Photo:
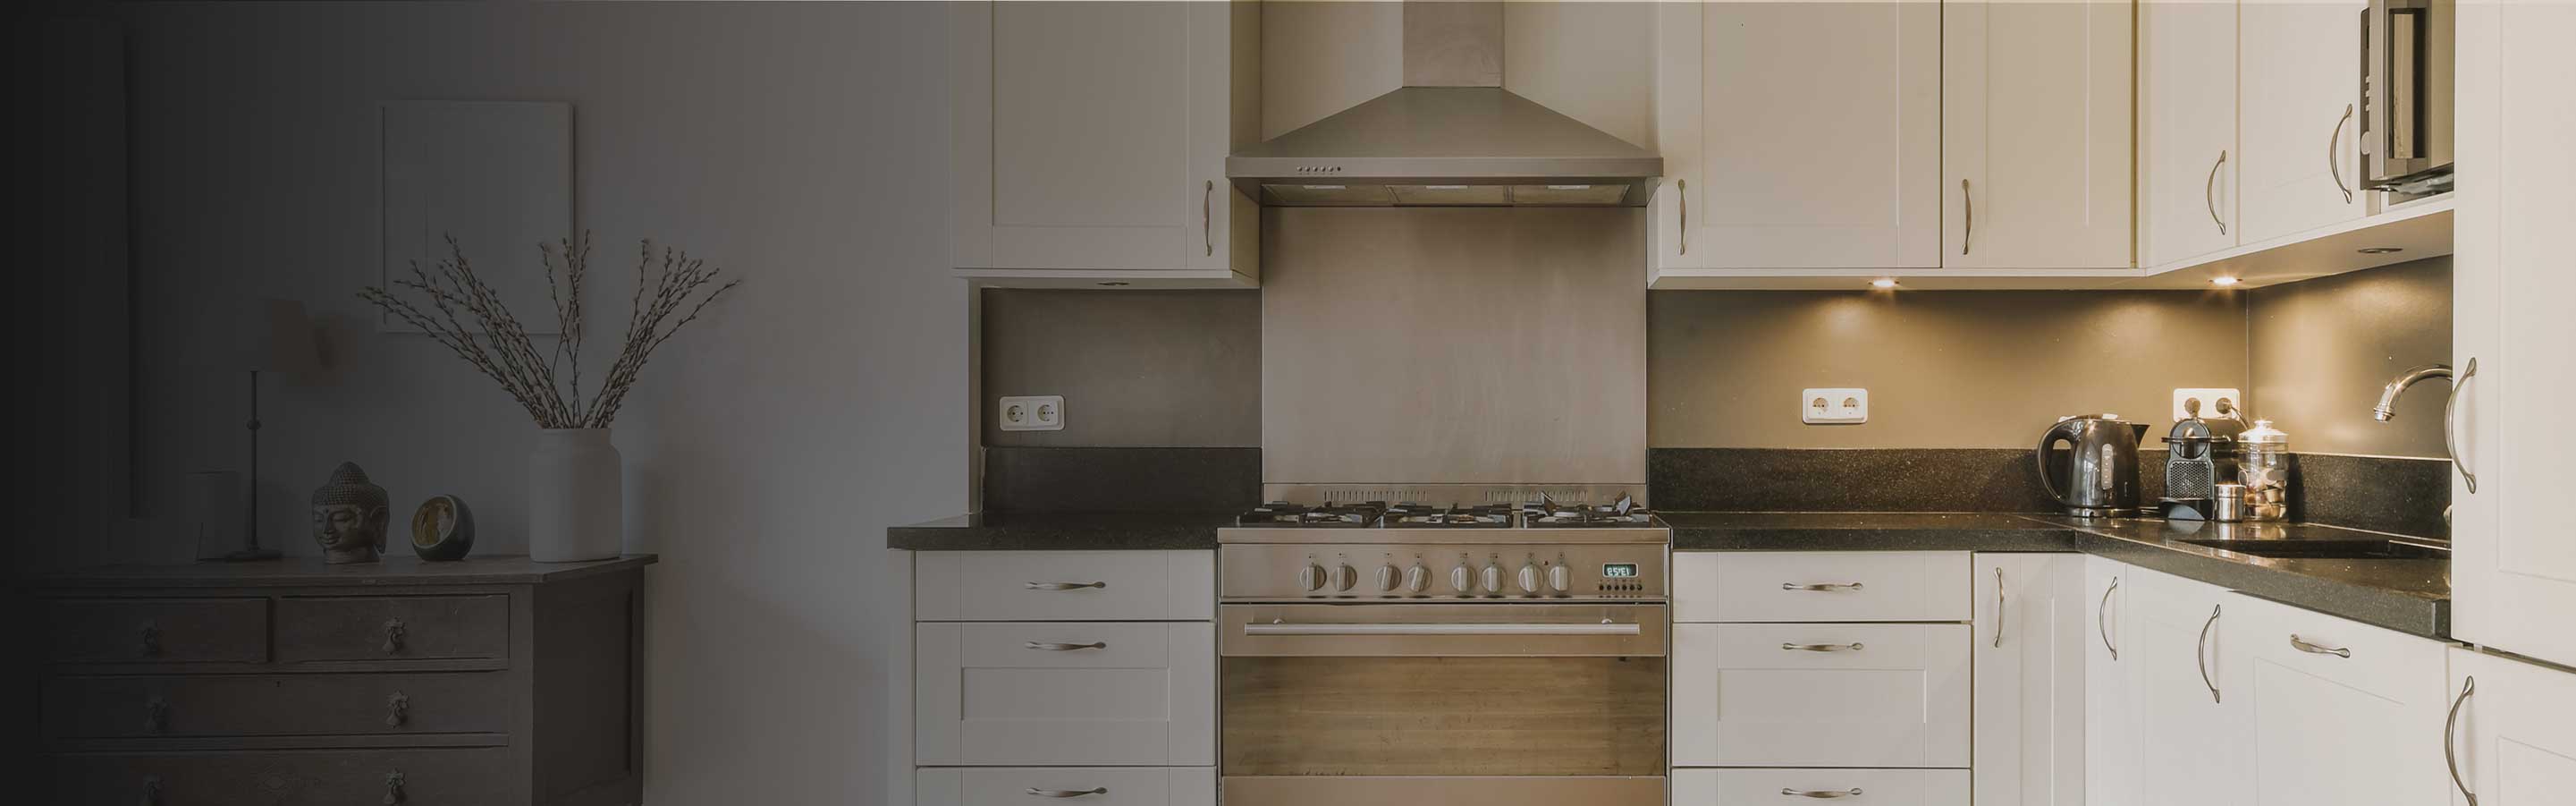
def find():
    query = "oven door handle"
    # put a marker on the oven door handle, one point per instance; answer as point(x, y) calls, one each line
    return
point(1605, 628)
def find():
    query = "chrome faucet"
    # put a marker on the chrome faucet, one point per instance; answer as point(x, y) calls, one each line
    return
point(2387, 407)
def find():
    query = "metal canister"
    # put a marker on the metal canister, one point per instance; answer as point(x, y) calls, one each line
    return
point(2264, 452)
point(2228, 505)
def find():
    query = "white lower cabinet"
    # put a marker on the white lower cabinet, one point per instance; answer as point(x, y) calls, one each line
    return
point(1091, 786)
point(2176, 658)
point(2333, 712)
point(2514, 737)
point(2110, 731)
point(1023, 693)
point(1770, 786)
point(1820, 695)
point(2029, 655)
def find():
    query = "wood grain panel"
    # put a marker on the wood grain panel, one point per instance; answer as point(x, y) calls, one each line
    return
point(265, 705)
point(1444, 716)
point(440, 777)
point(158, 630)
point(335, 628)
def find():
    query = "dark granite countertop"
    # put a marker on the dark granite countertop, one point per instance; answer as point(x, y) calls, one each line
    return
point(1864, 531)
point(998, 531)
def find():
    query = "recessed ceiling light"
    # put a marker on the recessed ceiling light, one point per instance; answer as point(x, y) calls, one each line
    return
point(1883, 282)
point(2381, 250)
point(2223, 281)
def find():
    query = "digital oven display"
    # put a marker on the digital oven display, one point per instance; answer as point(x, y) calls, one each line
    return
point(1619, 571)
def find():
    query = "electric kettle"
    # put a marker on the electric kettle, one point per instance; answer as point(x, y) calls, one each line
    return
point(2100, 477)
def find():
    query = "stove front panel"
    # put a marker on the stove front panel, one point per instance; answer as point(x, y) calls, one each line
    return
point(1484, 565)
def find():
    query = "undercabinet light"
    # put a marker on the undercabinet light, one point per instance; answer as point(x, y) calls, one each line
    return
point(1883, 282)
point(2223, 281)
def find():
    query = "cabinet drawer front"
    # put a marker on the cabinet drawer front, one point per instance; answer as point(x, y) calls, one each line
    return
point(1021, 786)
point(2384, 663)
point(1065, 585)
point(1821, 586)
point(1065, 693)
point(1757, 695)
point(382, 628)
point(1874, 787)
point(276, 705)
point(435, 777)
point(233, 630)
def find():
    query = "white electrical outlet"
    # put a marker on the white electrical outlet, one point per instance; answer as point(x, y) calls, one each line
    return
point(1033, 413)
point(2206, 401)
point(1833, 406)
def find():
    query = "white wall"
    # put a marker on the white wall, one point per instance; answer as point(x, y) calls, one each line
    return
point(766, 449)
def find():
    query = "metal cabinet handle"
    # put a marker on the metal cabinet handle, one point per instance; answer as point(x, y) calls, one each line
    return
point(151, 790)
point(394, 788)
point(156, 714)
point(1051, 646)
point(2209, 192)
point(1064, 586)
point(2200, 652)
point(397, 709)
point(2101, 612)
point(2334, 161)
point(1681, 188)
point(1970, 204)
point(151, 638)
point(1853, 792)
point(1999, 607)
point(2450, 419)
point(1207, 226)
point(1820, 586)
point(2450, 727)
point(2304, 645)
point(394, 634)
point(1850, 647)
point(1066, 793)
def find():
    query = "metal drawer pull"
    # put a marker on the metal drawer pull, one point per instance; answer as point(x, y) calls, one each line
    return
point(394, 788)
point(2102, 611)
point(397, 709)
point(1064, 586)
point(1051, 646)
point(2450, 753)
point(1442, 629)
point(394, 634)
point(1820, 586)
point(1850, 647)
point(2200, 652)
point(1066, 793)
point(1681, 190)
point(2209, 192)
point(2303, 645)
point(1999, 607)
point(151, 636)
point(156, 714)
point(2334, 163)
point(1970, 204)
point(1853, 792)
point(2450, 406)
point(1207, 225)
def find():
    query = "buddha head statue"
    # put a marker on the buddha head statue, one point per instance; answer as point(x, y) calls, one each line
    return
point(350, 515)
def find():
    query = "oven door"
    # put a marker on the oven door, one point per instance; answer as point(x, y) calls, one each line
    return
point(1496, 704)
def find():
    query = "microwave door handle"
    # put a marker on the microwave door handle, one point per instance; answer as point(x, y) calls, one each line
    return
point(1443, 629)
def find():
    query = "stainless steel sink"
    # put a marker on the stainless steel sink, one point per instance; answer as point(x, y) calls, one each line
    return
point(2351, 549)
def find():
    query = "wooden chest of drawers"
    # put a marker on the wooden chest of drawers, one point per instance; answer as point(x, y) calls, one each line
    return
point(490, 681)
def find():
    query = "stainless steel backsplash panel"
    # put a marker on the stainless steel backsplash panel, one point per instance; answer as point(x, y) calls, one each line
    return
point(1453, 345)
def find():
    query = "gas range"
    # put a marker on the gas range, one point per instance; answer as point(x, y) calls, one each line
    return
point(1536, 549)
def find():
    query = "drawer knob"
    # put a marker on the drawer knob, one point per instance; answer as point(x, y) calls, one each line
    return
point(156, 714)
point(151, 790)
point(1853, 792)
point(397, 709)
point(1820, 586)
point(1035, 792)
point(394, 788)
point(393, 635)
point(151, 637)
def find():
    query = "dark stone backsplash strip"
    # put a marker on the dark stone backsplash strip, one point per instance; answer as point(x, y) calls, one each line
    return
point(1024, 479)
point(2403, 496)
point(1860, 480)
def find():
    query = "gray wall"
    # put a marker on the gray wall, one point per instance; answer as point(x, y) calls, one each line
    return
point(1944, 369)
point(1136, 368)
point(2321, 349)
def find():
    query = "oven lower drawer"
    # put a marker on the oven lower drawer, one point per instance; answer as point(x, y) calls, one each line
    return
point(1500, 790)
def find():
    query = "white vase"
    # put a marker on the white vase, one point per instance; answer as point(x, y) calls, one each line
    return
point(575, 506)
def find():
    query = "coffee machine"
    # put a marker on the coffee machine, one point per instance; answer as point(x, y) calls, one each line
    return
point(2200, 455)
point(2099, 478)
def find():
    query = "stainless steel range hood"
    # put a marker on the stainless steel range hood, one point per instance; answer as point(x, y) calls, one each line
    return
point(1452, 136)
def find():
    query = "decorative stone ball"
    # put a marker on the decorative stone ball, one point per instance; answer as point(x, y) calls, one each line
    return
point(442, 529)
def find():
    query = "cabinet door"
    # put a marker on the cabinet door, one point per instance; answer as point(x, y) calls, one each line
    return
point(1090, 138)
point(2029, 668)
point(2187, 157)
point(2333, 712)
point(2513, 568)
point(2035, 134)
point(1065, 693)
point(2110, 732)
point(2513, 743)
point(1820, 695)
point(1799, 135)
point(2177, 656)
point(2300, 131)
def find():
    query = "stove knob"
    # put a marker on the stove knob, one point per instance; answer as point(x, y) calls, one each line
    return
point(1493, 578)
point(1529, 580)
point(1462, 579)
point(1310, 577)
point(1560, 578)
point(1345, 577)
point(1417, 578)
point(1388, 578)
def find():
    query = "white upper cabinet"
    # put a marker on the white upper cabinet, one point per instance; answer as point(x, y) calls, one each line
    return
point(2510, 737)
point(2187, 158)
point(2333, 712)
point(1090, 139)
point(2513, 570)
point(1797, 136)
point(2032, 624)
point(2035, 141)
point(2300, 128)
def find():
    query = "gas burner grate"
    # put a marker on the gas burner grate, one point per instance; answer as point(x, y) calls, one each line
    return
point(1282, 513)
point(1418, 516)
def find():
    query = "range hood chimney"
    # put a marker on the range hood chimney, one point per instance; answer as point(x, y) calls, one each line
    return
point(1451, 136)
